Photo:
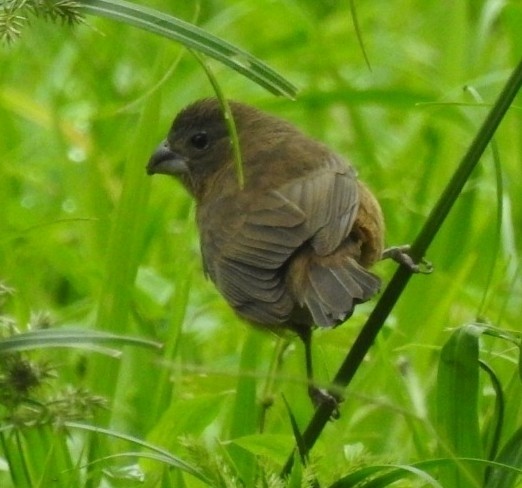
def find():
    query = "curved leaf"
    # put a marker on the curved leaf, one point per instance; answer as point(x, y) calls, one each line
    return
point(193, 37)
point(68, 337)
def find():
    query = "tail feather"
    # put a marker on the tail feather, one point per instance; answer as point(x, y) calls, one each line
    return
point(332, 292)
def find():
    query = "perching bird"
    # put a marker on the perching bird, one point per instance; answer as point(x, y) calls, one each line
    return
point(290, 250)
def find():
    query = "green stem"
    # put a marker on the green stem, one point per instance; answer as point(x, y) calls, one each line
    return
point(401, 277)
point(229, 118)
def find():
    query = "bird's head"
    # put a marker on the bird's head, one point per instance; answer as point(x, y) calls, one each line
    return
point(197, 145)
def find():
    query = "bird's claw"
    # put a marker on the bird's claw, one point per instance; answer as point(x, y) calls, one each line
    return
point(321, 396)
point(401, 255)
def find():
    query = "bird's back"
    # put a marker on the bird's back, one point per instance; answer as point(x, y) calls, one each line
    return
point(286, 251)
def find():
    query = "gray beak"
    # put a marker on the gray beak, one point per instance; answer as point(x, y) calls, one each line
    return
point(165, 161)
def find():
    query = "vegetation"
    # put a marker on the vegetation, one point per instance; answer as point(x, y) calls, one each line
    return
point(120, 365)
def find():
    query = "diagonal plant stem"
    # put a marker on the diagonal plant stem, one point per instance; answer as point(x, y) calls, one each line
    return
point(401, 277)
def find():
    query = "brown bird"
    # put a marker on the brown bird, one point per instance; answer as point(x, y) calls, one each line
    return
point(291, 249)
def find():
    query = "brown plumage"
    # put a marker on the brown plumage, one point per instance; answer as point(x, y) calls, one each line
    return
point(291, 249)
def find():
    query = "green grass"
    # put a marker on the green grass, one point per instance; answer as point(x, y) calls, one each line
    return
point(89, 242)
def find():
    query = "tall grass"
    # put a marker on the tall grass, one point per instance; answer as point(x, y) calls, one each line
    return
point(88, 239)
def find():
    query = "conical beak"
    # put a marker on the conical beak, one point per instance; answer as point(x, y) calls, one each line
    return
point(167, 162)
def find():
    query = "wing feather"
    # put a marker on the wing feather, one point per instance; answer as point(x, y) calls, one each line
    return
point(247, 255)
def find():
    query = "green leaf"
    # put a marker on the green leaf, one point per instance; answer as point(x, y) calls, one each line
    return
point(115, 303)
point(69, 337)
point(511, 457)
point(457, 405)
point(39, 456)
point(163, 454)
point(377, 476)
point(272, 446)
point(14, 456)
point(369, 475)
point(185, 415)
point(301, 447)
point(192, 37)
point(245, 413)
point(520, 360)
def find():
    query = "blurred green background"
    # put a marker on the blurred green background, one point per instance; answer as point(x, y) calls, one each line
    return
point(87, 237)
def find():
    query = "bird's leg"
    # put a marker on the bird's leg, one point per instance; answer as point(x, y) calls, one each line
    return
point(318, 395)
point(401, 255)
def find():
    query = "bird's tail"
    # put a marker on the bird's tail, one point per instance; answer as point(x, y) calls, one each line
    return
point(330, 292)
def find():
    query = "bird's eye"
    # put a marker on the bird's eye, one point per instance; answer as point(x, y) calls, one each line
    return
point(199, 140)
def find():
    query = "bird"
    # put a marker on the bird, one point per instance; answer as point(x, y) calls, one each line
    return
point(290, 247)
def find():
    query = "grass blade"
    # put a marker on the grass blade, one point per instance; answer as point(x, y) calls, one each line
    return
point(457, 404)
point(172, 460)
point(64, 337)
point(192, 37)
point(245, 411)
point(511, 455)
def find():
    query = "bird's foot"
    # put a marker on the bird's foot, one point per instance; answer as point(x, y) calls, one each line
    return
point(401, 255)
point(321, 396)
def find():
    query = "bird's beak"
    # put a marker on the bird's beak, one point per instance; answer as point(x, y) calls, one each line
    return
point(167, 162)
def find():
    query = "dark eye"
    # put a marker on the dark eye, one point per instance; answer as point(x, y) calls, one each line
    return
point(199, 140)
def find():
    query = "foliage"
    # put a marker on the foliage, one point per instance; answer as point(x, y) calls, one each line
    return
point(86, 245)
point(15, 15)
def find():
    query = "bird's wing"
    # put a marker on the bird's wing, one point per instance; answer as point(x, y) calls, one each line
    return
point(247, 256)
point(330, 200)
